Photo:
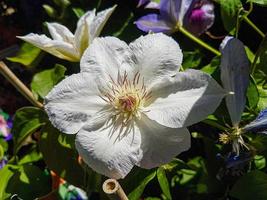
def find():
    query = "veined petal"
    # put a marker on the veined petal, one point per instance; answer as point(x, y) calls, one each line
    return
point(235, 77)
point(59, 49)
point(184, 99)
point(109, 151)
point(82, 34)
point(99, 22)
point(72, 102)
point(60, 32)
point(174, 10)
point(154, 23)
point(259, 124)
point(106, 57)
point(160, 143)
point(157, 56)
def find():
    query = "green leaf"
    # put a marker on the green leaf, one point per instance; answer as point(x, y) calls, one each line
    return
point(28, 182)
point(27, 55)
point(6, 173)
point(212, 66)
point(78, 12)
point(3, 147)
point(31, 156)
point(259, 2)
point(262, 104)
point(27, 120)
point(135, 183)
point(251, 186)
point(191, 59)
point(163, 182)
point(44, 81)
point(260, 161)
point(62, 159)
point(252, 93)
point(229, 13)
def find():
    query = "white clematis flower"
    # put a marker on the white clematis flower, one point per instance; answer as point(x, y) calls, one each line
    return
point(66, 45)
point(130, 105)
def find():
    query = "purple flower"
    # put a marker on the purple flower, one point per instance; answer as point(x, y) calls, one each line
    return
point(5, 126)
point(196, 16)
point(148, 4)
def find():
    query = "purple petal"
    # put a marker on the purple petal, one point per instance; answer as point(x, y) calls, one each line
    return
point(170, 10)
point(148, 4)
point(199, 17)
point(142, 2)
point(259, 124)
point(235, 77)
point(154, 23)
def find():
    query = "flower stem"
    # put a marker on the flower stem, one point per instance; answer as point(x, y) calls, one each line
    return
point(197, 40)
point(249, 22)
point(13, 79)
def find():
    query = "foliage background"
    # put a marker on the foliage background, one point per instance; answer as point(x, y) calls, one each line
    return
point(37, 147)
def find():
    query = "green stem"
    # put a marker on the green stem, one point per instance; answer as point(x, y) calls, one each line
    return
point(200, 42)
point(257, 55)
point(249, 22)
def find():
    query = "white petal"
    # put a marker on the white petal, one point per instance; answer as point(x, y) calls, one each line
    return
point(106, 153)
point(106, 57)
point(157, 55)
point(72, 102)
point(234, 76)
point(82, 34)
point(184, 99)
point(99, 22)
point(60, 32)
point(59, 49)
point(160, 144)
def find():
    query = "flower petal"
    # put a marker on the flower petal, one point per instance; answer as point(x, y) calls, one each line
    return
point(154, 23)
point(106, 57)
point(99, 22)
point(102, 149)
point(235, 77)
point(59, 49)
point(60, 32)
point(82, 34)
point(259, 124)
point(157, 55)
point(174, 11)
point(160, 144)
point(184, 99)
point(72, 102)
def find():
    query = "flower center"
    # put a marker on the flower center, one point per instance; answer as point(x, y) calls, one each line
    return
point(127, 97)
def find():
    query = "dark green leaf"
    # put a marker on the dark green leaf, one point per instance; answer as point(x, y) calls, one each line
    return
point(135, 183)
point(229, 13)
point(191, 59)
point(44, 81)
point(163, 182)
point(251, 186)
point(27, 55)
point(27, 120)
point(252, 93)
point(212, 66)
point(62, 159)
point(5, 174)
point(29, 182)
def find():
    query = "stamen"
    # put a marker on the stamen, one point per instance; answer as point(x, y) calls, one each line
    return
point(127, 99)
